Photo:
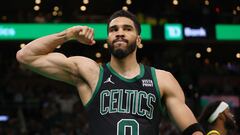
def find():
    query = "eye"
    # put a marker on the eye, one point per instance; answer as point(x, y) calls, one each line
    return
point(128, 29)
point(113, 29)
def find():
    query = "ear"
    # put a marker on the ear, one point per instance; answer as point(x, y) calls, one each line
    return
point(107, 40)
point(139, 41)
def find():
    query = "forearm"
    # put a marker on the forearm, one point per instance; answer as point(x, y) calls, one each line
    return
point(180, 113)
point(185, 119)
point(47, 44)
point(43, 45)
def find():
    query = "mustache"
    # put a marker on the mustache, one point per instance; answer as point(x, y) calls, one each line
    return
point(120, 39)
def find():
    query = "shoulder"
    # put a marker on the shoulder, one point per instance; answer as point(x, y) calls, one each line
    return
point(168, 84)
point(164, 73)
point(164, 76)
point(86, 68)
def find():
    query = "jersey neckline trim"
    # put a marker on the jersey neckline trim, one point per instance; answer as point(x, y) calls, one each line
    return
point(153, 72)
point(157, 88)
point(154, 76)
point(142, 71)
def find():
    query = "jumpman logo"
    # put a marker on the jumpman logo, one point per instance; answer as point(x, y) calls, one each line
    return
point(109, 80)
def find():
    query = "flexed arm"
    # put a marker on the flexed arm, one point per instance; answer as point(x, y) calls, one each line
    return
point(38, 55)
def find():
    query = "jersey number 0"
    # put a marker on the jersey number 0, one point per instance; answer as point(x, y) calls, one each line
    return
point(127, 123)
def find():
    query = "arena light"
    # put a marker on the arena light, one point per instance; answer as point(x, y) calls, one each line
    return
point(125, 8)
point(85, 1)
point(128, 2)
point(29, 31)
point(238, 8)
point(54, 13)
point(206, 2)
point(59, 13)
point(234, 12)
point(105, 45)
point(175, 2)
point(22, 45)
point(83, 8)
point(198, 55)
point(98, 55)
point(56, 8)
point(36, 8)
point(37, 1)
point(209, 49)
point(238, 55)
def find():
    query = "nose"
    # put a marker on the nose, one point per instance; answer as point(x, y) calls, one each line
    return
point(120, 33)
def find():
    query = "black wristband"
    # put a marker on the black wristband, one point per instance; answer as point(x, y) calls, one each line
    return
point(193, 128)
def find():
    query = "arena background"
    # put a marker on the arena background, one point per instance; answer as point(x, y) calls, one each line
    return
point(197, 40)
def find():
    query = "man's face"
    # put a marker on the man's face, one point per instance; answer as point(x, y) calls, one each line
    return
point(122, 37)
point(230, 122)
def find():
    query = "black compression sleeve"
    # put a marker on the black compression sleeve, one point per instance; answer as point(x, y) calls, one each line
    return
point(193, 128)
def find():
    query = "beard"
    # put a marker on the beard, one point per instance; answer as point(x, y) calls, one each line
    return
point(122, 53)
point(230, 124)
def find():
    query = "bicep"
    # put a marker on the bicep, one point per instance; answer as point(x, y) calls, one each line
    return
point(175, 101)
point(55, 66)
point(170, 86)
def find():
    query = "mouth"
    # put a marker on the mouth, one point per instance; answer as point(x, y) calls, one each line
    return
point(120, 41)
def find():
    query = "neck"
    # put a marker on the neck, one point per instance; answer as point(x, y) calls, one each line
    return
point(128, 67)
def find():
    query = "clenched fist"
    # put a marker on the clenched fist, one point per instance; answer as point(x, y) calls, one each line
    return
point(83, 34)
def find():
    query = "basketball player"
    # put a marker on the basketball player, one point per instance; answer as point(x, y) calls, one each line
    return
point(217, 119)
point(122, 97)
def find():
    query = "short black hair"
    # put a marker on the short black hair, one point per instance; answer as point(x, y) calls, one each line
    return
point(206, 113)
point(127, 14)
